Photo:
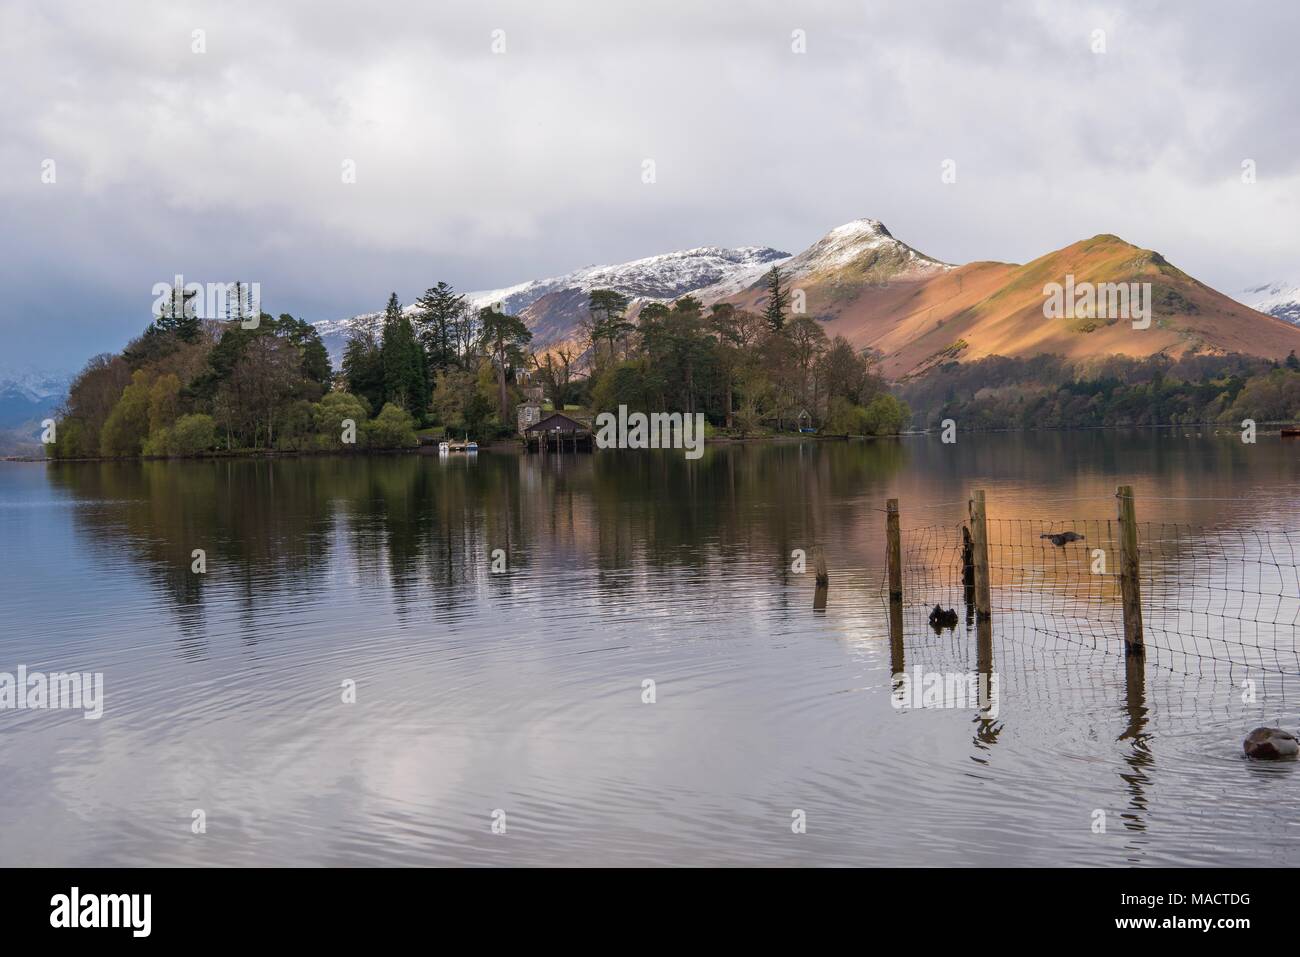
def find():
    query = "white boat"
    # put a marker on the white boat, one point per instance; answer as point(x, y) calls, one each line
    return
point(444, 448)
point(471, 446)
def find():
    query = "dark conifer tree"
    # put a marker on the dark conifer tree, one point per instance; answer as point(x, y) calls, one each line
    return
point(777, 299)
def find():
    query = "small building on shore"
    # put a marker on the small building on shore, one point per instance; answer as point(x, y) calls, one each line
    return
point(559, 432)
point(527, 413)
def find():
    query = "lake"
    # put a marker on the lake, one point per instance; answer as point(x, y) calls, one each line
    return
point(349, 681)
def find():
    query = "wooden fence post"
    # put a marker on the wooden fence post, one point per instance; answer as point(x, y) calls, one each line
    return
point(893, 551)
point(823, 579)
point(894, 563)
point(983, 599)
point(968, 572)
point(819, 566)
point(1129, 587)
point(980, 556)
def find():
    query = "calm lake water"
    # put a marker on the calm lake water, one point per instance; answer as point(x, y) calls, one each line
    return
point(522, 691)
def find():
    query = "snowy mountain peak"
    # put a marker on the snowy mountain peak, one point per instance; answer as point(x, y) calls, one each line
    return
point(1280, 299)
point(861, 228)
point(665, 276)
point(862, 242)
point(34, 384)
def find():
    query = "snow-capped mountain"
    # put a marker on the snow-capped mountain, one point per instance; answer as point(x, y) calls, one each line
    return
point(833, 271)
point(664, 277)
point(862, 246)
point(860, 252)
point(26, 397)
point(34, 384)
point(1281, 299)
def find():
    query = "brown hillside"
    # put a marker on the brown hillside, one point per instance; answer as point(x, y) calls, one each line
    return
point(987, 308)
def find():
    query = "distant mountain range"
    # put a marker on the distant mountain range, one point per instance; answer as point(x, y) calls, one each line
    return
point(880, 293)
point(916, 311)
point(1280, 299)
point(876, 291)
point(553, 307)
point(26, 398)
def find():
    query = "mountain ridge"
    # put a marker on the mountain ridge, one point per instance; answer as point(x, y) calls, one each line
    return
point(915, 310)
point(1279, 299)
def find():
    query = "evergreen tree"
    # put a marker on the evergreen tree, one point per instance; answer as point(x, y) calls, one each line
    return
point(315, 357)
point(437, 315)
point(504, 339)
point(178, 315)
point(608, 310)
point(777, 299)
point(363, 365)
point(402, 360)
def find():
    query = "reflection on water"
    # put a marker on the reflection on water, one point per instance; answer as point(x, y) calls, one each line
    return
point(523, 691)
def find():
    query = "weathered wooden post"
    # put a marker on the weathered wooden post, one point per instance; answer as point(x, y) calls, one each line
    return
point(893, 551)
point(894, 564)
point(968, 572)
point(983, 600)
point(1129, 586)
point(823, 579)
point(980, 556)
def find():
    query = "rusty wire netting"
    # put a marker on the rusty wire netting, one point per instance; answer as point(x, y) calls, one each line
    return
point(1215, 602)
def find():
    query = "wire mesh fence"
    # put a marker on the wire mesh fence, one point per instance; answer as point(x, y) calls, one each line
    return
point(1216, 598)
point(1214, 602)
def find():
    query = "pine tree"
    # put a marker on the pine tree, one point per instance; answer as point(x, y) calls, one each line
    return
point(777, 299)
point(437, 315)
point(402, 360)
point(504, 338)
point(608, 310)
point(177, 314)
point(363, 362)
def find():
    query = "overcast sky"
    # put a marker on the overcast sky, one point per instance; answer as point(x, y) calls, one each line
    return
point(486, 168)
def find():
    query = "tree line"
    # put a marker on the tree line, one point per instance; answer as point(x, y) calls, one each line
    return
point(444, 362)
point(748, 372)
point(188, 386)
point(1049, 391)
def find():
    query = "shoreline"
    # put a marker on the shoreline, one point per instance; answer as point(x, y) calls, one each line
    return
point(1263, 428)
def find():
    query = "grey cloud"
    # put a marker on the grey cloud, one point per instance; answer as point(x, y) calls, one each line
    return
point(485, 170)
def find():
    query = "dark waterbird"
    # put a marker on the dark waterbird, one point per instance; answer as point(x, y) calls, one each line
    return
point(1270, 744)
point(1061, 539)
point(939, 618)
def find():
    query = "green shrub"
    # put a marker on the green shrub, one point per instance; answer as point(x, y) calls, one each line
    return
point(392, 428)
point(296, 430)
point(158, 442)
point(332, 412)
point(192, 435)
point(128, 424)
point(885, 415)
point(71, 441)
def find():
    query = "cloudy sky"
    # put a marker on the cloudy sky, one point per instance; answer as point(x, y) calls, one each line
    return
point(486, 168)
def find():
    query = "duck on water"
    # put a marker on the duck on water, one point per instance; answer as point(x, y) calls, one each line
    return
point(1270, 744)
point(1061, 539)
